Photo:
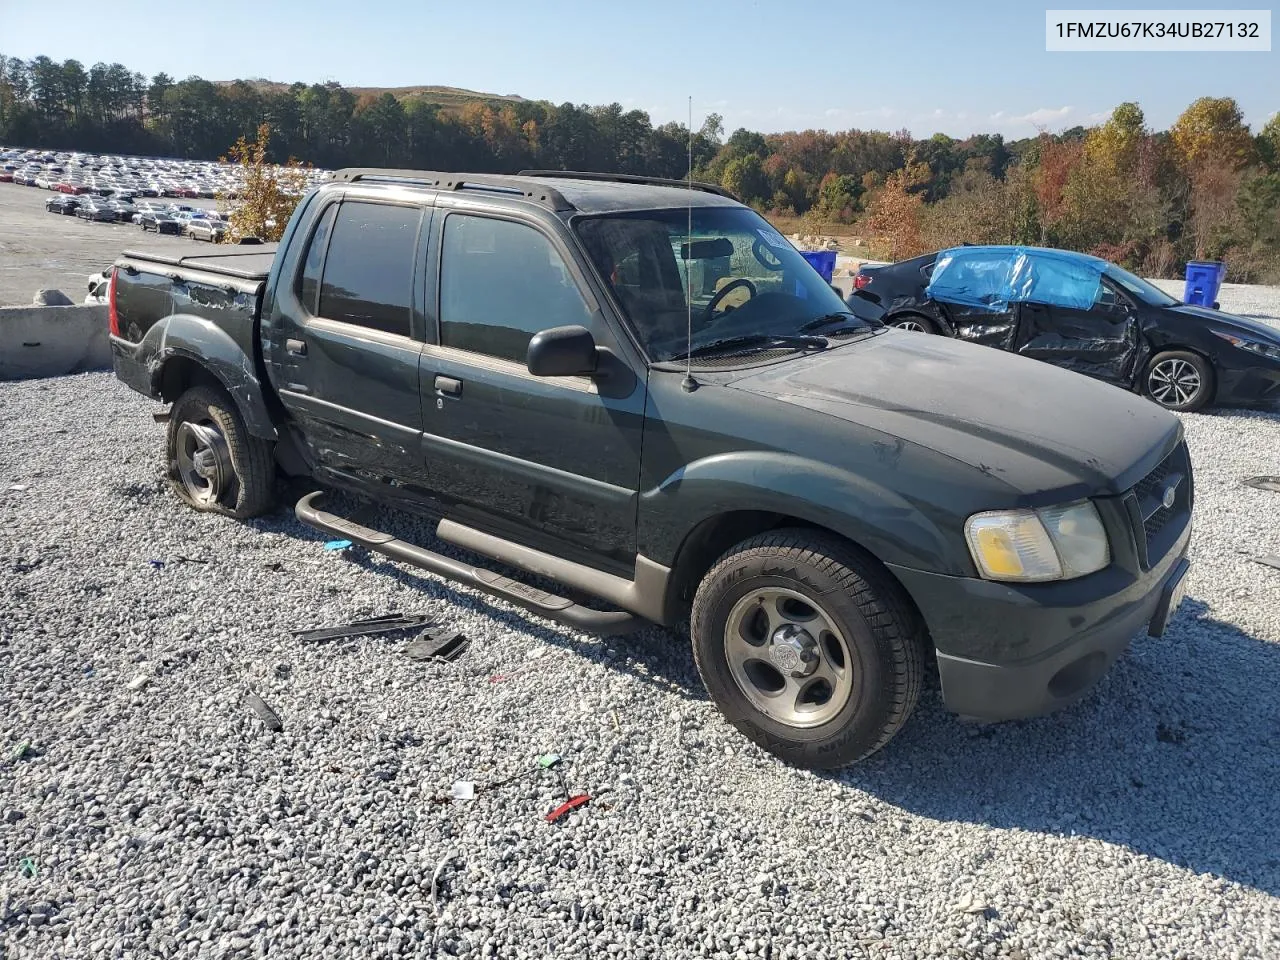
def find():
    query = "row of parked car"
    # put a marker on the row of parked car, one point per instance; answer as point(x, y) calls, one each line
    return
point(173, 218)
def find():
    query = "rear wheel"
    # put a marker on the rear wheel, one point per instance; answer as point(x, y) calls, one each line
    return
point(1179, 380)
point(808, 647)
point(211, 461)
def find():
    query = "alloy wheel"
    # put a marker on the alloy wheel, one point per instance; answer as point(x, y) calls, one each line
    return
point(788, 657)
point(204, 461)
point(1174, 382)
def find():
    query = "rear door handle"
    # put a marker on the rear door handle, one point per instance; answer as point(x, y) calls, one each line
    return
point(448, 386)
point(297, 348)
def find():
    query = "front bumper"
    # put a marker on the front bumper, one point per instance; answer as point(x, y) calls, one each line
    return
point(1006, 651)
point(1254, 382)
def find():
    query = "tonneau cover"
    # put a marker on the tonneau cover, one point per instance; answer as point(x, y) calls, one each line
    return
point(245, 262)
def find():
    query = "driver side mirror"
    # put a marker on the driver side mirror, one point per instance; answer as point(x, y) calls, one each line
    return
point(562, 352)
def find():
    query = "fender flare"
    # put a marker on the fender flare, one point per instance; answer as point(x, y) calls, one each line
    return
point(868, 513)
point(203, 342)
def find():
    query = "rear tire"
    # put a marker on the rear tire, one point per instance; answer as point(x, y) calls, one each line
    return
point(211, 461)
point(1179, 380)
point(819, 701)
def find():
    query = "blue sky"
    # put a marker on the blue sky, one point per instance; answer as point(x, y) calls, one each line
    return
point(955, 67)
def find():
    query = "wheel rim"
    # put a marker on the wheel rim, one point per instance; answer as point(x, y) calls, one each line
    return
point(788, 657)
point(914, 326)
point(1174, 382)
point(204, 461)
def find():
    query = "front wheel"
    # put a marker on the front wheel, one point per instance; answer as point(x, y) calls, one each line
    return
point(808, 647)
point(914, 323)
point(1179, 380)
point(211, 461)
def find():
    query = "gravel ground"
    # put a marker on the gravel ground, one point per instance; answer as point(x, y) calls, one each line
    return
point(146, 812)
point(41, 250)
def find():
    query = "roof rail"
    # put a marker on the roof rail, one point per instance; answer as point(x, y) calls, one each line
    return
point(496, 183)
point(630, 178)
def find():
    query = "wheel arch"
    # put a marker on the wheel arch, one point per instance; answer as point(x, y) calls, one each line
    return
point(182, 351)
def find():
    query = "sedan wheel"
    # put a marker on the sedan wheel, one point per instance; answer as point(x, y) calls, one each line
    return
point(914, 325)
point(1179, 380)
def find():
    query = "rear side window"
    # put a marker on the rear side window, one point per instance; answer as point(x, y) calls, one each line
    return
point(500, 283)
point(368, 272)
point(309, 284)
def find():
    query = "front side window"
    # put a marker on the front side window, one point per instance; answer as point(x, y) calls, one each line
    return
point(500, 283)
point(368, 271)
point(743, 277)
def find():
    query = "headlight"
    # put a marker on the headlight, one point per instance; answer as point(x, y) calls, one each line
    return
point(1055, 543)
point(1253, 346)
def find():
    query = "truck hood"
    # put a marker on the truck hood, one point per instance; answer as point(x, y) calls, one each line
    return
point(1040, 429)
point(1230, 322)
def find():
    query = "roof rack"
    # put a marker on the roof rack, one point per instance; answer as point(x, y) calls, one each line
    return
point(630, 178)
point(546, 195)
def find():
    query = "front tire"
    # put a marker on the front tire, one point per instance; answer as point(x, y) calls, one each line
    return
point(808, 647)
point(211, 461)
point(1179, 380)
point(914, 323)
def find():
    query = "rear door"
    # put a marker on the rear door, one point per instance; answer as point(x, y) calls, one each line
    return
point(1101, 342)
point(347, 337)
point(553, 462)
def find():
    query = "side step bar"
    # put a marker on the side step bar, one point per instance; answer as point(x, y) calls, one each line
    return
point(548, 605)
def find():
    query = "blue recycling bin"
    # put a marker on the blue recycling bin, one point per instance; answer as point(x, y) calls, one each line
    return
point(824, 261)
point(1204, 280)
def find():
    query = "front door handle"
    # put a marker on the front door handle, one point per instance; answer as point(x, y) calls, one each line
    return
point(297, 348)
point(448, 386)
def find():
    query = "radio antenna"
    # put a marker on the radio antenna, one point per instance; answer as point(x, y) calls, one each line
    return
point(689, 384)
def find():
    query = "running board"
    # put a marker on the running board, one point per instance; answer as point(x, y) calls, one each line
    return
point(559, 609)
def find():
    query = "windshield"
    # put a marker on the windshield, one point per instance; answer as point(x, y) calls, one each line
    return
point(743, 277)
point(1135, 286)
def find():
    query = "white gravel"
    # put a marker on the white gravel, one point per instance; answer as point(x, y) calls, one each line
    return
point(152, 815)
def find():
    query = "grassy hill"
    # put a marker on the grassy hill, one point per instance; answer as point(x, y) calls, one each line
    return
point(445, 96)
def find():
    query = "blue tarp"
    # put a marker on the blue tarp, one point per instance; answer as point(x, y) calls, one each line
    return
point(992, 278)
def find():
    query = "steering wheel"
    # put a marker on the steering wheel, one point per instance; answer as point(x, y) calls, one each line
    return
point(766, 257)
point(723, 292)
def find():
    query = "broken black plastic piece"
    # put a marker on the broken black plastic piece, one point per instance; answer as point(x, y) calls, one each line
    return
point(363, 628)
point(440, 644)
point(270, 719)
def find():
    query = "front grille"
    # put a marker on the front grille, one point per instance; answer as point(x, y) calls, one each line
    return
point(1152, 514)
point(1150, 491)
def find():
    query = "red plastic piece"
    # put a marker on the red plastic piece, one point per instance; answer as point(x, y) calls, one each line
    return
point(860, 281)
point(571, 804)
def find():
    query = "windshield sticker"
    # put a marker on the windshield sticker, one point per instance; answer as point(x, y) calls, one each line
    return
point(773, 237)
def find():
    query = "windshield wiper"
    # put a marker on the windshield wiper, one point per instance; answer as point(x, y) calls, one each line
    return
point(828, 319)
point(761, 340)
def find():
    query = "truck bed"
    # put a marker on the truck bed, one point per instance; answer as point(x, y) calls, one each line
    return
point(247, 262)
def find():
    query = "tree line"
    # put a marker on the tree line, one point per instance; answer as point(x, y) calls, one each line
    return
point(1206, 188)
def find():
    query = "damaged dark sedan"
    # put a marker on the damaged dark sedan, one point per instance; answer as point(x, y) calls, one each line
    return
point(1085, 314)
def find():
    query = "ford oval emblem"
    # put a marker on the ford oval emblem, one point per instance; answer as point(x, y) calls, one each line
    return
point(1170, 495)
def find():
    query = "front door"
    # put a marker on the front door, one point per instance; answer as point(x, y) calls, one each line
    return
point(348, 363)
point(1101, 342)
point(553, 462)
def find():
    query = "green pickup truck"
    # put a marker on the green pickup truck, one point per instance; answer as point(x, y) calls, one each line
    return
point(640, 390)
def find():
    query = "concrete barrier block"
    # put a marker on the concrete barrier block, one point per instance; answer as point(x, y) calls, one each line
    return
point(53, 341)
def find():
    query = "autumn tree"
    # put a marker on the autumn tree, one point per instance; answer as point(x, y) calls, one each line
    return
point(1212, 145)
point(1057, 159)
point(893, 217)
point(269, 193)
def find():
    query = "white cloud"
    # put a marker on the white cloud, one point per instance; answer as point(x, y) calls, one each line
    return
point(1044, 116)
